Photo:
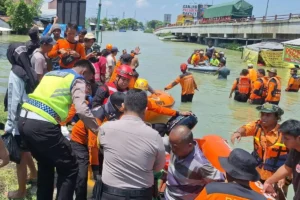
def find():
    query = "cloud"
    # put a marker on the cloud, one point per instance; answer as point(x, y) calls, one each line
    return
point(107, 3)
point(141, 3)
point(163, 7)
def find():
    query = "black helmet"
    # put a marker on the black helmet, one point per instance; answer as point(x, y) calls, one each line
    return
point(190, 121)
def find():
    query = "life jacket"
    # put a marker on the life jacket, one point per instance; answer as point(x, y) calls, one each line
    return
point(296, 85)
point(190, 59)
point(276, 93)
point(263, 88)
point(271, 158)
point(243, 85)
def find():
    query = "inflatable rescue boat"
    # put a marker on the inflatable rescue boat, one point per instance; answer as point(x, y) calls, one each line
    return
point(161, 98)
point(203, 69)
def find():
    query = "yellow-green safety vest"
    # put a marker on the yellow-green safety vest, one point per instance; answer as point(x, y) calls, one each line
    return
point(52, 97)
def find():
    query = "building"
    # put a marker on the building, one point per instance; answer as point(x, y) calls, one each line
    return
point(52, 4)
point(167, 18)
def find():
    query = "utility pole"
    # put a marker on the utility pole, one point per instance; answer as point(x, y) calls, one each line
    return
point(123, 15)
point(267, 9)
point(98, 23)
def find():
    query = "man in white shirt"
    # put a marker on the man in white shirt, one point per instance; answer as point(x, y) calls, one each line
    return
point(111, 63)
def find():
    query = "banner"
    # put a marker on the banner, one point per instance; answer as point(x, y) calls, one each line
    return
point(273, 58)
point(250, 56)
point(190, 10)
point(291, 54)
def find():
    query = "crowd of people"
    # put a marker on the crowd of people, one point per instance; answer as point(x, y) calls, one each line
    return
point(56, 81)
point(255, 87)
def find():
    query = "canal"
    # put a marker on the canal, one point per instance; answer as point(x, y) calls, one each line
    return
point(159, 64)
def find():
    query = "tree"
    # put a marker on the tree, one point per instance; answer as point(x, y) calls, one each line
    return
point(132, 23)
point(22, 14)
point(2, 7)
point(123, 24)
point(153, 24)
point(141, 25)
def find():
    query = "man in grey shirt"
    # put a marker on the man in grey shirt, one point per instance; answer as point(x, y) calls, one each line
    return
point(223, 71)
point(38, 59)
point(132, 152)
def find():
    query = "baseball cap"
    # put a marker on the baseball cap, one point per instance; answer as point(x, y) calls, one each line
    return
point(250, 65)
point(55, 27)
point(90, 36)
point(126, 58)
point(114, 49)
point(47, 40)
point(272, 70)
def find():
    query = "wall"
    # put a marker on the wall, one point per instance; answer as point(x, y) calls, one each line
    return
point(52, 4)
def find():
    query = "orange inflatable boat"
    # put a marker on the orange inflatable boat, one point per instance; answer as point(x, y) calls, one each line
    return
point(163, 99)
point(213, 147)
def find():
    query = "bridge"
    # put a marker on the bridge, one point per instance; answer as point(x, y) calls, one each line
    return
point(277, 28)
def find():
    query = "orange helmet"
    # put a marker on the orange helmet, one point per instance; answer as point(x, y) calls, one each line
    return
point(183, 67)
point(109, 46)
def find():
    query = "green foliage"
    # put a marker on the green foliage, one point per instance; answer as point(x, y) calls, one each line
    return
point(22, 14)
point(128, 23)
point(2, 7)
point(148, 30)
point(153, 24)
point(231, 46)
point(141, 25)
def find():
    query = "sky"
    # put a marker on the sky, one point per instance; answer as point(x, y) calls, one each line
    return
point(147, 10)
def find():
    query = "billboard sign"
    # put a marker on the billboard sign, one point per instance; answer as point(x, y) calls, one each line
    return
point(190, 10)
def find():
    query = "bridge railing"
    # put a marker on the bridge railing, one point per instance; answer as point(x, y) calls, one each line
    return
point(228, 20)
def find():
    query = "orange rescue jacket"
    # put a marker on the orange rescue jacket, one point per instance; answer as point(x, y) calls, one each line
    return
point(294, 84)
point(243, 85)
point(273, 90)
point(187, 83)
point(259, 89)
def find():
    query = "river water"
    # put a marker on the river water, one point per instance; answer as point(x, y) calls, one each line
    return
point(159, 63)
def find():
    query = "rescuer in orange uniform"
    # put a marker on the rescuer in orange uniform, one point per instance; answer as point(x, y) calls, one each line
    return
point(124, 74)
point(125, 59)
point(252, 73)
point(242, 87)
point(294, 82)
point(273, 87)
point(259, 88)
point(187, 82)
point(142, 84)
point(269, 149)
point(240, 170)
point(84, 142)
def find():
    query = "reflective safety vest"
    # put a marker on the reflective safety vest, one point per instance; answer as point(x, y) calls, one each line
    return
point(112, 88)
point(52, 98)
point(271, 157)
point(243, 85)
point(263, 88)
point(276, 93)
point(296, 85)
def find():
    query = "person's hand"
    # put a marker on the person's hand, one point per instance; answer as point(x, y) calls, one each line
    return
point(281, 183)
point(230, 96)
point(63, 52)
point(269, 189)
point(4, 156)
point(91, 55)
point(74, 54)
point(185, 113)
point(236, 135)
